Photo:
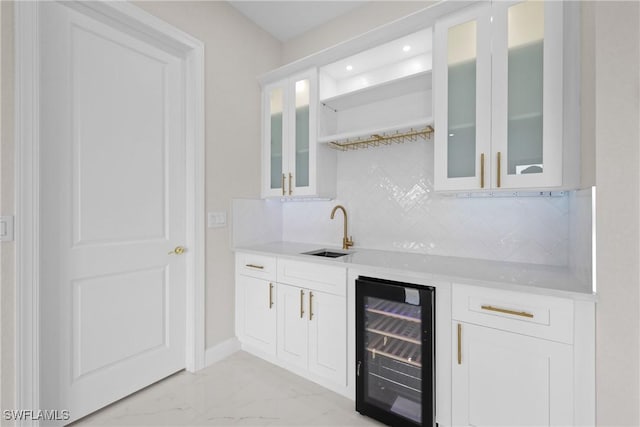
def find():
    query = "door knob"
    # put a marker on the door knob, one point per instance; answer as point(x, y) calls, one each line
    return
point(179, 250)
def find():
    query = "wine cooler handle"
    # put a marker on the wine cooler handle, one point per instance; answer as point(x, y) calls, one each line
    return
point(358, 369)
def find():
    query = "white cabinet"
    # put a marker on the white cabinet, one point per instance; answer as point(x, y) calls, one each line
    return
point(328, 336)
point(312, 319)
point(513, 358)
point(294, 313)
point(312, 331)
point(256, 302)
point(508, 379)
point(256, 313)
point(293, 165)
point(504, 97)
point(292, 325)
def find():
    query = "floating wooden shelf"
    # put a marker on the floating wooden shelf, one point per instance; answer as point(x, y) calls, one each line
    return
point(383, 138)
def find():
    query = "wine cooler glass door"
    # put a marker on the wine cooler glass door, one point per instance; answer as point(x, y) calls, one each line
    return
point(395, 350)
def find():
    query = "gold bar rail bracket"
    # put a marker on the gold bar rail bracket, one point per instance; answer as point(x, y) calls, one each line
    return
point(507, 311)
point(379, 139)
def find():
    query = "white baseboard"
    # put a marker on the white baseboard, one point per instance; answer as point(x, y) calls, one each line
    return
point(221, 351)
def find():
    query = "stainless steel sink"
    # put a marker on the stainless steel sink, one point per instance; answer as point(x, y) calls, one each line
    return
point(326, 253)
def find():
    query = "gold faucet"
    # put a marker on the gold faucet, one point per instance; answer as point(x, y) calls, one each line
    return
point(347, 242)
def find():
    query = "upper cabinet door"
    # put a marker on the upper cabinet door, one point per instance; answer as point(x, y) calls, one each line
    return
point(275, 123)
point(527, 91)
point(303, 134)
point(462, 95)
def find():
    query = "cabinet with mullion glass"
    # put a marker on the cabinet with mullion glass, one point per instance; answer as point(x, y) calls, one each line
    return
point(505, 105)
point(293, 165)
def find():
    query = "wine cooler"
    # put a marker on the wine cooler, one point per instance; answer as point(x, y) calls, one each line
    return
point(395, 352)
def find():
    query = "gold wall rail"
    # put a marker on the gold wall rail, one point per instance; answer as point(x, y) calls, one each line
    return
point(377, 140)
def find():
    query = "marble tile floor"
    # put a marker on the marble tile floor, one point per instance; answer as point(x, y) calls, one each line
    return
point(241, 390)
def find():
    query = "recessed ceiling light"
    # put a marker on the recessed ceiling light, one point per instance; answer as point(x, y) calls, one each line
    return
point(406, 48)
point(349, 68)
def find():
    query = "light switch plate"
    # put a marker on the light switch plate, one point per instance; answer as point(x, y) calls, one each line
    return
point(216, 219)
point(6, 228)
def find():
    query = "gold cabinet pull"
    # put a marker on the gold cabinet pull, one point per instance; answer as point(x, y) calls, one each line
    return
point(459, 344)
point(270, 295)
point(507, 311)
point(310, 305)
point(290, 178)
point(283, 178)
point(301, 304)
point(482, 170)
point(499, 161)
point(179, 250)
point(259, 267)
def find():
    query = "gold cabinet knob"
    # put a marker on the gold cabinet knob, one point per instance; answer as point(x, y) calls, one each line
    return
point(179, 250)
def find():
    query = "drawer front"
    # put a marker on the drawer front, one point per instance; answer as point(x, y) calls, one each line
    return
point(258, 266)
point(318, 277)
point(528, 314)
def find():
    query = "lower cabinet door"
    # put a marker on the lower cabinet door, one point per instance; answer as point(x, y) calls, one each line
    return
point(328, 336)
point(507, 379)
point(292, 325)
point(257, 313)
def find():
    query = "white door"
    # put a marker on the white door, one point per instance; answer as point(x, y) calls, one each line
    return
point(508, 379)
point(292, 325)
point(302, 146)
point(462, 99)
point(112, 208)
point(258, 313)
point(527, 94)
point(328, 336)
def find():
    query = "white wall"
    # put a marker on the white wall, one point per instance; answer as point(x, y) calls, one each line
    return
point(617, 58)
point(236, 51)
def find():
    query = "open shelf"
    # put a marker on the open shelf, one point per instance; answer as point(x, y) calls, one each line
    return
point(402, 127)
point(413, 83)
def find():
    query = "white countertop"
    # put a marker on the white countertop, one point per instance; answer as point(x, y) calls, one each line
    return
point(534, 278)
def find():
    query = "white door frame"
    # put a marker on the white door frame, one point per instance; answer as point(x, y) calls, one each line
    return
point(131, 19)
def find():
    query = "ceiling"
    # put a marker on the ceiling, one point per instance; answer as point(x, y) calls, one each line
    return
point(288, 19)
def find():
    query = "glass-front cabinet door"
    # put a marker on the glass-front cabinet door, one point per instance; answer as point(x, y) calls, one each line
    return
point(289, 136)
point(303, 133)
point(498, 96)
point(462, 94)
point(274, 122)
point(527, 94)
